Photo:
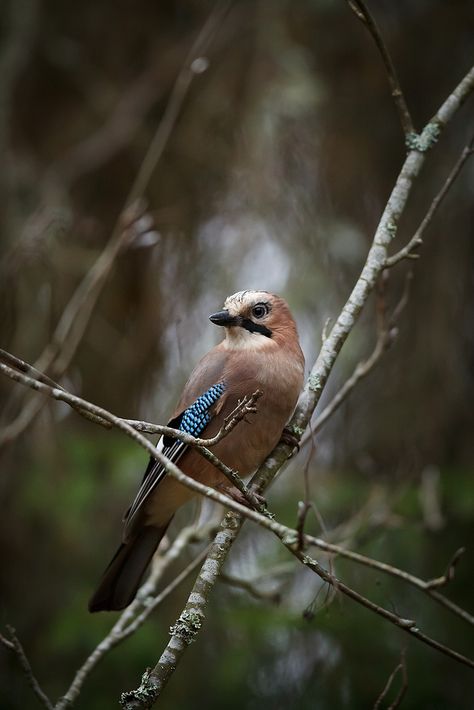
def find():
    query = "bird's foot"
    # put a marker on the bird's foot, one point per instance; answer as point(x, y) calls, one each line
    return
point(287, 437)
point(241, 498)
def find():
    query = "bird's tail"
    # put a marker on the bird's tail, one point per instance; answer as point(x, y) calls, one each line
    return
point(122, 577)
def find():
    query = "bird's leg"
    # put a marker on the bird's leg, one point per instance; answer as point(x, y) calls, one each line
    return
point(287, 437)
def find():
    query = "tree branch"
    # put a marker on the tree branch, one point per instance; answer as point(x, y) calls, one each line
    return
point(429, 587)
point(251, 586)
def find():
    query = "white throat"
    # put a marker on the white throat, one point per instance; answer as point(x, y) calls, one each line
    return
point(240, 339)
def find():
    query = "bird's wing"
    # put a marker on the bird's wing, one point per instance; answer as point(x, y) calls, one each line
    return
point(194, 413)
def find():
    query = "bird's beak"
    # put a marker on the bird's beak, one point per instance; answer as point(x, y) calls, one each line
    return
point(223, 318)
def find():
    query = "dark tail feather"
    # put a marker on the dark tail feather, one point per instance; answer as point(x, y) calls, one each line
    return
point(122, 577)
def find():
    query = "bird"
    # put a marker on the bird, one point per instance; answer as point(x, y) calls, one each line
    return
point(260, 350)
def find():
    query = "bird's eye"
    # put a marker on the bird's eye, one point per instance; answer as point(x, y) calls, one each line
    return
point(260, 310)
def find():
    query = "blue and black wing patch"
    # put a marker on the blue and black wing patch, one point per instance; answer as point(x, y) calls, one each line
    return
point(195, 418)
point(192, 420)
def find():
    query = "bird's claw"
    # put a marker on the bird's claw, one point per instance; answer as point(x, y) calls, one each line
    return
point(240, 497)
point(287, 437)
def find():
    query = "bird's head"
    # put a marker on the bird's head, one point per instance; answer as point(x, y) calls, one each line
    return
point(256, 319)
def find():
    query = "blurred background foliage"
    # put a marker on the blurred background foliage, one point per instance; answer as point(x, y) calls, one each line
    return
point(274, 177)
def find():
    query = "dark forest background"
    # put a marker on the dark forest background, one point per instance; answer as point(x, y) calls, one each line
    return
point(274, 177)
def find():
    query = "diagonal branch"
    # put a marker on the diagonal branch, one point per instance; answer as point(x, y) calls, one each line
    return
point(377, 256)
point(429, 587)
point(245, 406)
point(407, 625)
point(44, 384)
point(103, 417)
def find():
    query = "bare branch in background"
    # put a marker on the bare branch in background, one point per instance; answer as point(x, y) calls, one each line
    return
point(75, 318)
point(120, 127)
point(14, 645)
point(429, 495)
point(362, 12)
point(402, 669)
point(407, 625)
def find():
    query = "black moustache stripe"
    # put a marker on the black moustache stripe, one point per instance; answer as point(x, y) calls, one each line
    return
point(255, 327)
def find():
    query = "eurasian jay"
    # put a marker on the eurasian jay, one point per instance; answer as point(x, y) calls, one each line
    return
point(261, 351)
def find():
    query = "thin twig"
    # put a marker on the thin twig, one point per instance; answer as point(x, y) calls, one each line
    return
point(302, 511)
point(448, 576)
point(250, 586)
point(408, 251)
point(429, 587)
point(400, 668)
point(403, 688)
point(362, 12)
point(15, 646)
